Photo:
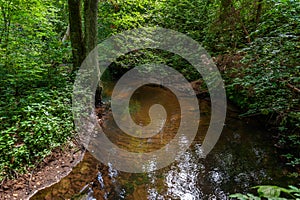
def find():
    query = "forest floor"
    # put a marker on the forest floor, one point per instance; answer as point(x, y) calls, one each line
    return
point(50, 171)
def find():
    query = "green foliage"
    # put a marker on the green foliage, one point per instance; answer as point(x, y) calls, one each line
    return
point(41, 122)
point(189, 17)
point(141, 57)
point(272, 62)
point(35, 86)
point(35, 90)
point(270, 192)
point(183, 16)
point(116, 16)
point(265, 84)
point(267, 37)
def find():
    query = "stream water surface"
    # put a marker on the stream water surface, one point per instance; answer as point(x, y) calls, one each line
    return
point(243, 157)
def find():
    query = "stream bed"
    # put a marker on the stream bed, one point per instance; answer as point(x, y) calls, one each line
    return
point(243, 157)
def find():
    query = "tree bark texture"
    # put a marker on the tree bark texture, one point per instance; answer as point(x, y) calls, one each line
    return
point(76, 34)
point(90, 24)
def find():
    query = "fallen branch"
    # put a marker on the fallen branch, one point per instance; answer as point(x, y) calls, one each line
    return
point(293, 87)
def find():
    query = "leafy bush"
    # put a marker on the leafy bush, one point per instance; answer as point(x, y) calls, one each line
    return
point(268, 83)
point(40, 122)
point(270, 192)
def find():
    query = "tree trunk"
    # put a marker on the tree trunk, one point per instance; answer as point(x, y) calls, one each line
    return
point(76, 35)
point(258, 11)
point(90, 24)
point(90, 39)
point(83, 44)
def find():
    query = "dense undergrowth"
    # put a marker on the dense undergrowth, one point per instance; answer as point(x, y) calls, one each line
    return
point(256, 48)
point(36, 87)
point(267, 81)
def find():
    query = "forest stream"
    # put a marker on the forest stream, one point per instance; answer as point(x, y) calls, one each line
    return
point(243, 157)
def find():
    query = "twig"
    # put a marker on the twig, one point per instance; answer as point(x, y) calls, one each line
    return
point(67, 34)
point(293, 87)
point(290, 86)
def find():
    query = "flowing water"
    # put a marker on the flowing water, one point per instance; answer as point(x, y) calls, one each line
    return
point(243, 157)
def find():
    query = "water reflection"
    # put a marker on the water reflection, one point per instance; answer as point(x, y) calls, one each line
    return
point(181, 179)
point(243, 157)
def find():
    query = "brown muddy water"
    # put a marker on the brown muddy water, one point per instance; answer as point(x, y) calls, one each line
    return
point(243, 157)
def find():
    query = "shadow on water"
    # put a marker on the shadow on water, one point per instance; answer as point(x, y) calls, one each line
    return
point(243, 157)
